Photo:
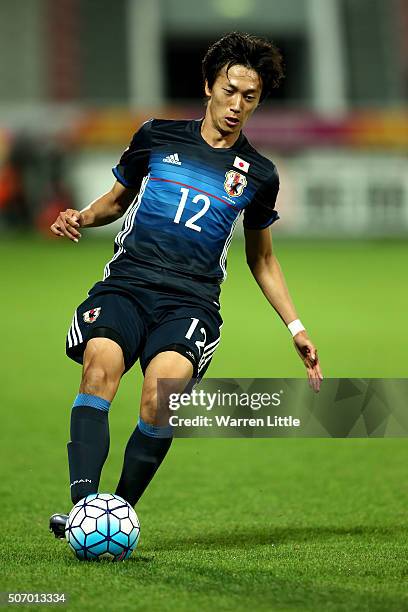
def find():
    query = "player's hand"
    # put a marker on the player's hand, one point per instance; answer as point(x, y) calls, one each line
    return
point(67, 224)
point(308, 353)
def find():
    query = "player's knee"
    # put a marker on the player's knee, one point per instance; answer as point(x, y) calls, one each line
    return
point(149, 410)
point(95, 380)
point(154, 407)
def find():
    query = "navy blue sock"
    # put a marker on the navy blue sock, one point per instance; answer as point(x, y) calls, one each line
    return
point(89, 444)
point(146, 449)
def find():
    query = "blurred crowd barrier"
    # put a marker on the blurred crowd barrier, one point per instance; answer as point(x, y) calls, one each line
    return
point(344, 176)
point(33, 181)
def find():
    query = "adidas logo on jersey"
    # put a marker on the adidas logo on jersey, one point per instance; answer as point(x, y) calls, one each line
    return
point(172, 159)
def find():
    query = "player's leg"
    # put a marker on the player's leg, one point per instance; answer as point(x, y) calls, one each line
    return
point(103, 366)
point(150, 441)
point(89, 446)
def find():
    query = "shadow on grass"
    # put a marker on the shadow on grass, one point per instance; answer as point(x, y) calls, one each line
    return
point(245, 537)
point(302, 586)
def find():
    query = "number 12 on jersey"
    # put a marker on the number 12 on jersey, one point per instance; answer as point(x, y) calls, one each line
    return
point(190, 223)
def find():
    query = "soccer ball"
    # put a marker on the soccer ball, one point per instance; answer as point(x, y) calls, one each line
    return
point(102, 526)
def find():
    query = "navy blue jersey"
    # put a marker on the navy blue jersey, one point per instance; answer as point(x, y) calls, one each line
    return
point(190, 198)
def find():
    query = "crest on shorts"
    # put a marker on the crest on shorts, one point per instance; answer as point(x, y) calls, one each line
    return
point(234, 183)
point(91, 315)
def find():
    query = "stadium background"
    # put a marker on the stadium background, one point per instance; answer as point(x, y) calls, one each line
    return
point(227, 524)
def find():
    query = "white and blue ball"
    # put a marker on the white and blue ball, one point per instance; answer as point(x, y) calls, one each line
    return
point(102, 526)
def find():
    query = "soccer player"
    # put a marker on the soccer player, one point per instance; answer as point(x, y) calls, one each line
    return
point(184, 185)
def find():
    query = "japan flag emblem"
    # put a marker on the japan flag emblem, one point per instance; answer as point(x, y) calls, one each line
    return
point(91, 315)
point(241, 164)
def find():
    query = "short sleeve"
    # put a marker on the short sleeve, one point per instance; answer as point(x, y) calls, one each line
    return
point(261, 213)
point(133, 165)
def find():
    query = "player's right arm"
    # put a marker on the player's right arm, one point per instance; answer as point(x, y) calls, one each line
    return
point(105, 209)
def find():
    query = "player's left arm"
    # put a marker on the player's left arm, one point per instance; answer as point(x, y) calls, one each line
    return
point(268, 274)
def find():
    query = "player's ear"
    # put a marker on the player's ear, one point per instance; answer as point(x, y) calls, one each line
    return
point(207, 90)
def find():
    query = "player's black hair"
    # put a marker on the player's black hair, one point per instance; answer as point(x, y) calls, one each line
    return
point(247, 50)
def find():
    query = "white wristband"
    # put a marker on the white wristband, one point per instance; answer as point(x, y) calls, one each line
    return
point(295, 327)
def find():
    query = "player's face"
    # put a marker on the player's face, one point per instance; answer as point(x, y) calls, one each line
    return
point(233, 98)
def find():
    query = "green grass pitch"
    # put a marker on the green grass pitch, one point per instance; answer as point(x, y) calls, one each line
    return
point(286, 524)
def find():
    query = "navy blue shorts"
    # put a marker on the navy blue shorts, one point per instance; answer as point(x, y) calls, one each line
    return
point(144, 322)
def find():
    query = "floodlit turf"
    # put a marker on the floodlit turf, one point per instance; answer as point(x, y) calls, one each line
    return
point(226, 524)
